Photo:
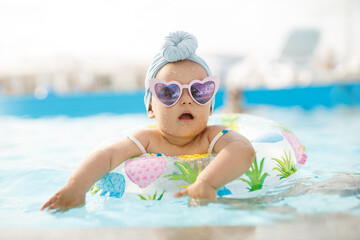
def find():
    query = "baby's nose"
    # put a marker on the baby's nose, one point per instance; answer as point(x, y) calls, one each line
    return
point(185, 97)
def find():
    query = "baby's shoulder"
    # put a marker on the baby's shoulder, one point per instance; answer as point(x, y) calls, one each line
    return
point(213, 130)
point(145, 134)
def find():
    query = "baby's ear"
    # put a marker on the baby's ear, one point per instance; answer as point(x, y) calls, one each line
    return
point(150, 112)
point(211, 111)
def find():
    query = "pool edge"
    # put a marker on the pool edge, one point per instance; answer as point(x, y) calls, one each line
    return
point(328, 226)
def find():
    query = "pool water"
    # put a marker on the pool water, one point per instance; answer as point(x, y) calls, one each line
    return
point(38, 155)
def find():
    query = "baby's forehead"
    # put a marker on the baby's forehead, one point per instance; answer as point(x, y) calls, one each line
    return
point(182, 70)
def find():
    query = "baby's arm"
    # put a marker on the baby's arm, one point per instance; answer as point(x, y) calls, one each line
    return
point(234, 158)
point(95, 166)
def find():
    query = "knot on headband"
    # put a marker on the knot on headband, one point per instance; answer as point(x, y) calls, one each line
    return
point(178, 46)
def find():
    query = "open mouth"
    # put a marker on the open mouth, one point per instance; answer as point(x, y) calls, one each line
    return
point(186, 116)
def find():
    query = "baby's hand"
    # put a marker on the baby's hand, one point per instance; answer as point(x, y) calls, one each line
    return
point(67, 197)
point(199, 191)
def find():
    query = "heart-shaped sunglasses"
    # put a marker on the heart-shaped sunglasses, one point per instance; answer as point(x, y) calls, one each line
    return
point(168, 93)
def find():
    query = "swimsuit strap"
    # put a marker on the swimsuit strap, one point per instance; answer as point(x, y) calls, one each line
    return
point(137, 143)
point(216, 138)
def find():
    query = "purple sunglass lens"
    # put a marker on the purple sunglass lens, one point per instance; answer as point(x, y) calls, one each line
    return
point(202, 93)
point(167, 94)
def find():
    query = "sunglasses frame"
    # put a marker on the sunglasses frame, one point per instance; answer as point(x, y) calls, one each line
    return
point(154, 81)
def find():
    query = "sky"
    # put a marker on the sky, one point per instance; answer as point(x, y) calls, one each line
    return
point(134, 29)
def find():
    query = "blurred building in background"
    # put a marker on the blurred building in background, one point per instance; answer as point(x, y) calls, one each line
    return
point(63, 75)
point(297, 64)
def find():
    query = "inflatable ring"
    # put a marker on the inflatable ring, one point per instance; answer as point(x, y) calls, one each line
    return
point(279, 154)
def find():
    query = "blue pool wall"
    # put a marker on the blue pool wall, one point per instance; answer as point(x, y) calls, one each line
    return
point(91, 103)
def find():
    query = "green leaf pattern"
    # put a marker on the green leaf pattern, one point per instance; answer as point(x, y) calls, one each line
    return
point(255, 175)
point(188, 174)
point(152, 198)
point(286, 167)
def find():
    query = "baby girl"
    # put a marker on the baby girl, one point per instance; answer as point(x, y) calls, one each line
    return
point(179, 94)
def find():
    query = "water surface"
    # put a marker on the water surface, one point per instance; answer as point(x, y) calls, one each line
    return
point(38, 155)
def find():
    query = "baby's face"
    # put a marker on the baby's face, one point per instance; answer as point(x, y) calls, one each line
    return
point(186, 118)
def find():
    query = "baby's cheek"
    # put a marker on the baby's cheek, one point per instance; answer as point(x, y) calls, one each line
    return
point(165, 122)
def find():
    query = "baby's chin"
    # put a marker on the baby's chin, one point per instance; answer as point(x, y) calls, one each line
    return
point(187, 131)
